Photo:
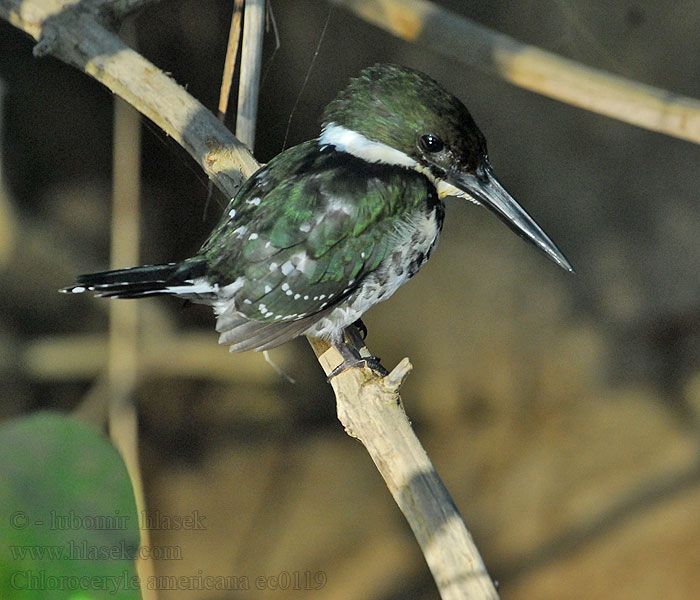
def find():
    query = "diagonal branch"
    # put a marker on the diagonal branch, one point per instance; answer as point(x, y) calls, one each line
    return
point(370, 409)
point(75, 33)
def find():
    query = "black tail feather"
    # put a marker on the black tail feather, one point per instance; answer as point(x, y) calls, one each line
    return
point(136, 282)
point(151, 273)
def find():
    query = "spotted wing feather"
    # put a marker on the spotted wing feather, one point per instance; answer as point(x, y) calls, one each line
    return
point(301, 244)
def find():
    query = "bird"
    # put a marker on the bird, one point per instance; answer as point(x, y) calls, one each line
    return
point(332, 226)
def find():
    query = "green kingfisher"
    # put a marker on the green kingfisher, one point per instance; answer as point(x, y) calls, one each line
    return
point(329, 228)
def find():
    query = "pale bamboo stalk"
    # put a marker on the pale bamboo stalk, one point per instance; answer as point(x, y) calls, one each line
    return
point(251, 64)
point(123, 363)
point(8, 220)
point(234, 38)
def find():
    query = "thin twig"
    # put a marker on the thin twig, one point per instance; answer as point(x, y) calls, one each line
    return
point(123, 365)
point(8, 221)
point(234, 38)
point(449, 34)
point(251, 63)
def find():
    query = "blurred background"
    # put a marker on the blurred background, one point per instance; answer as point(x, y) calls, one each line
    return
point(562, 411)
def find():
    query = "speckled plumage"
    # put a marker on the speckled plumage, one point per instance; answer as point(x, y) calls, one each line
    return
point(324, 222)
point(334, 225)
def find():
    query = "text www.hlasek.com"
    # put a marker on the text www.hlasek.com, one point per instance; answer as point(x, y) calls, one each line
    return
point(284, 580)
point(81, 550)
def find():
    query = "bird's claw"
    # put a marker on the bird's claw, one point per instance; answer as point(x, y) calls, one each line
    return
point(371, 362)
point(362, 328)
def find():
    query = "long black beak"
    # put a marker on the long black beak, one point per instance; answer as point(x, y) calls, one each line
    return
point(486, 189)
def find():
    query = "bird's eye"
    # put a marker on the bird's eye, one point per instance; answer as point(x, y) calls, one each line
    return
point(431, 143)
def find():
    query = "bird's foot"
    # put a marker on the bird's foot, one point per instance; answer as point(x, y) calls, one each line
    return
point(371, 362)
point(352, 358)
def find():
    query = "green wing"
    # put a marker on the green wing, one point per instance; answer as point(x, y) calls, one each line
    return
point(307, 227)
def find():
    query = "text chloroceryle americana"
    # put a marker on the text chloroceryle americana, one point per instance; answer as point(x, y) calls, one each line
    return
point(331, 227)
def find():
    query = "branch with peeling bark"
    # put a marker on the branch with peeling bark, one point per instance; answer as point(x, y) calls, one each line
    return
point(370, 409)
point(368, 406)
point(79, 34)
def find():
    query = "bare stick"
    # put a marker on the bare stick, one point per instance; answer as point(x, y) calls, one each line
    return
point(546, 73)
point(370, 409)
point(234, 37)
point(251, 62)
point(123, 366)
point(86, 44)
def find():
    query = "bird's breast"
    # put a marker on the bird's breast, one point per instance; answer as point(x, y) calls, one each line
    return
point(413, 242)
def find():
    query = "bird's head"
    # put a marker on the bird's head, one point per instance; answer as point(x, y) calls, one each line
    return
point(400, 116)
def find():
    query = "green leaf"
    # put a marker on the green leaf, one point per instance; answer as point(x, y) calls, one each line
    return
point(68, 519)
